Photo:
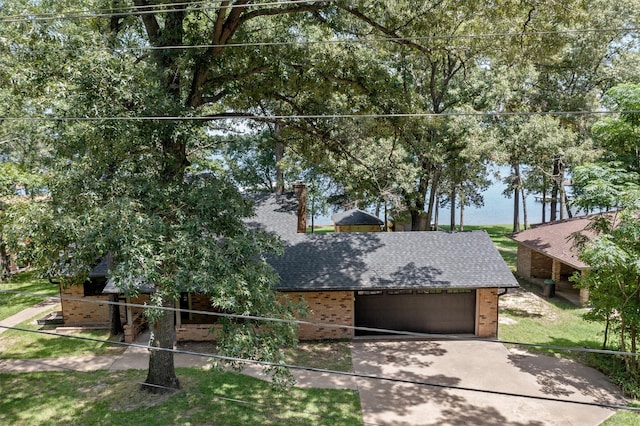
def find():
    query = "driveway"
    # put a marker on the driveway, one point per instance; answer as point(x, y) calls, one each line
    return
point(476, 365)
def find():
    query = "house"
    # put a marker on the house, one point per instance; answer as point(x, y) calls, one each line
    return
point(356, 220)
point(548, 251)
point(430, 282)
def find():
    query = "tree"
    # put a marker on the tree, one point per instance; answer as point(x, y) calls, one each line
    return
point(620, 135)
point(129, 188)
point(613, 256)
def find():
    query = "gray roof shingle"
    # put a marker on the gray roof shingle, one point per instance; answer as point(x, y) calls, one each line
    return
point(355, 217)
point(379, 260)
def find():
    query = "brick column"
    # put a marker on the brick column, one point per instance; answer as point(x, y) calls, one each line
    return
point(556, 266)
point(486, 312)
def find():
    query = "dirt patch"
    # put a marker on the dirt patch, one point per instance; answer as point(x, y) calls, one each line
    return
point(524, 302)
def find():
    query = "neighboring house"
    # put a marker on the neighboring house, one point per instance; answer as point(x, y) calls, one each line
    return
point(430, 282)
point(356, 220)
point(548, 251)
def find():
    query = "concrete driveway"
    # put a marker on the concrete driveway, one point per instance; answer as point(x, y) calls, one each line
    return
point(482, 366)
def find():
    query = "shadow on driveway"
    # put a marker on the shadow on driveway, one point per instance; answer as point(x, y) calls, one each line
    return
point(479, 366)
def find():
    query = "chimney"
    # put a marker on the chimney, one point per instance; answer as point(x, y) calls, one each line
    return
point(301, 192)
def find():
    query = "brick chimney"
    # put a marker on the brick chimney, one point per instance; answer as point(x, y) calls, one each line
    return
point(301, 192)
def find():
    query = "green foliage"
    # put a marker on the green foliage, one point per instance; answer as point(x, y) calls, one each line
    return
point(599, 186)
point(620, 134)
point(613, 255)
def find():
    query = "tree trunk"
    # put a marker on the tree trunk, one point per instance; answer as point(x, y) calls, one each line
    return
point(161, 377)
point(417, 206)
point(554, 192)
point(279, 157)
point(5, 261)
point(452, 219)
point(516, 198)
point(432, 196)
point(462, 201)
point(544, 200)
point(114, 312)
point(525, 219)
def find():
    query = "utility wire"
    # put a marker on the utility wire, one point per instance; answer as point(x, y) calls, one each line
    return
point(229, 359)
point(144, 10)
point(343, 41)
point(242, 116)
point(331, 325)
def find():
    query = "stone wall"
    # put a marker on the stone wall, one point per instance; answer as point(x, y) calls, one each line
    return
point(486, 312)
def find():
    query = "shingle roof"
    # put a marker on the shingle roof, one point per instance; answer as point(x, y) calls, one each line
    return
point(397, 260)
point(355, 217)
point(554, 239)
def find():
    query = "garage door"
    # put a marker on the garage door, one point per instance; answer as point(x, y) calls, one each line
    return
point(424, 311)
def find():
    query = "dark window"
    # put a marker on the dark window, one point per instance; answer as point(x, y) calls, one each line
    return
point(393, 292)
point(432, 291)
point(94, 287)
point(369, 292)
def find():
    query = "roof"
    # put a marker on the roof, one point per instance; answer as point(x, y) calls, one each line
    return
point(397, 260)
point(379, 260)
point(355, 217)
point(555, 239)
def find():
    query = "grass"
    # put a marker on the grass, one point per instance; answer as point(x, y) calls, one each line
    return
point(320, 229)
point(561, 324)
point(332, 355)
point(213, 397)
point(27, 282)
point(25, 345)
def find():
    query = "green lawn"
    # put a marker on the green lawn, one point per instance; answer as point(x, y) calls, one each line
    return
point(212, 397)
point(26, 282)
point(561, 324)
point(25, 345)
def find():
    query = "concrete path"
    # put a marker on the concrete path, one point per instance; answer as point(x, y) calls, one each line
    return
point(28, 313)
point(482, 366)
point(138, 358)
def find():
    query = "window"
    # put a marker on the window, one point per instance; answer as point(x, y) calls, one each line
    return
point(394, 292)
point(459, 290)
point(94, 287)
point(369, 292)
point(429, 291)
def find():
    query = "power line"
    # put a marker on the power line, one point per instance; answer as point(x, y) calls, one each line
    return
point(243, 116)
point(334, 372)
point(332, 325)
point(144, 10)
point(339, 41)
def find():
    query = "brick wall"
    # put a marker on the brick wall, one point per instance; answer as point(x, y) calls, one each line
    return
point(84, 313)
point(195, 332)
point(357, 228)
point(532, 264)
point(487, 312)
point(333, 307)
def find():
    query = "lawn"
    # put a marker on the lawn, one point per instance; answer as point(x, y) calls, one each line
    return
point(27, 282)
point(212, 397)
point(17, 344)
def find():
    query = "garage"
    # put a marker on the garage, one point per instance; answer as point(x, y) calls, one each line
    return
point(424, 311)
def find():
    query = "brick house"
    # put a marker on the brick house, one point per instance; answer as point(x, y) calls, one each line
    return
point(431, 282)
point(547, 251)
